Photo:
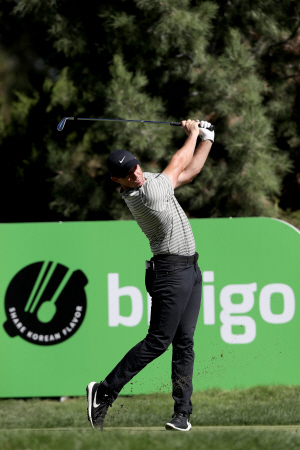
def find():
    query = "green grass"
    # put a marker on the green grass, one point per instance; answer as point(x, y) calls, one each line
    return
point(75, 440)
point(36, 424)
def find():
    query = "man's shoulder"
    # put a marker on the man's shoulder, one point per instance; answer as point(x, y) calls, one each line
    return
point(160, 180)
point(150, 175)
point(160, 177)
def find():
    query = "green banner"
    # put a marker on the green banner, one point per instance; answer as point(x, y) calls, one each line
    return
point(74, 302)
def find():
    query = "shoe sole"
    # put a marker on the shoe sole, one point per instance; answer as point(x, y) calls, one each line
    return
point(89, 393)
point(171, 427)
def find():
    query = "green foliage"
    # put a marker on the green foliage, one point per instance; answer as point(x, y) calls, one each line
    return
point(64, 37)
point(254, 168)
point(234, 63)
point(20, 109)
point(127, 99)
point(63, 93)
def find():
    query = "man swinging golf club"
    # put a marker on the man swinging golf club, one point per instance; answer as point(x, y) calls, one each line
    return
point(173, 278)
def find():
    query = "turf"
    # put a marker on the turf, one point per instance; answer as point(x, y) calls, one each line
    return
point(221, 420)
point(120, 440)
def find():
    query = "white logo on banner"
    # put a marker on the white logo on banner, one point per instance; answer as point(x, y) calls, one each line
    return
point(288, 303)
point(114, 294)
point(232, 315)
point(229, 308)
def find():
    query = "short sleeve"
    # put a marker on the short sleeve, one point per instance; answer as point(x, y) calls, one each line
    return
point(157, 191)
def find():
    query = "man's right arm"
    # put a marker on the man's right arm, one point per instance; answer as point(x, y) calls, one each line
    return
point(196, 164)
point(183, 156)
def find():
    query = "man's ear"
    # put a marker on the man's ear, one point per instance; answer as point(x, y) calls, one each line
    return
point(115, 179)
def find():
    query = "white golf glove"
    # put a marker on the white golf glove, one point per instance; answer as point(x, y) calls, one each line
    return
point(204, 132)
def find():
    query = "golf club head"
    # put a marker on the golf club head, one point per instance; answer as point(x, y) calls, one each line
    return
point(62, 123)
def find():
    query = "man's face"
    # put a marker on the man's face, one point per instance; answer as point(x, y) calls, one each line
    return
point(133, 180)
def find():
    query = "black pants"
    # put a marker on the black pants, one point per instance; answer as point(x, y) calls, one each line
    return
point(175, 286)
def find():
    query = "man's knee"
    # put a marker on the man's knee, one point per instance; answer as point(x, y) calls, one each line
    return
point(184, 344)
point(158, 343)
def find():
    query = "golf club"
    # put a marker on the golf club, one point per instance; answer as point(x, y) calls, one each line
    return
point(62, 123)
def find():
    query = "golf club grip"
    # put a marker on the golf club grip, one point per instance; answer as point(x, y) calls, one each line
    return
point(178, 124)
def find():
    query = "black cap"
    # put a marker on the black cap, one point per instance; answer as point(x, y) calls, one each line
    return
point(120, 162)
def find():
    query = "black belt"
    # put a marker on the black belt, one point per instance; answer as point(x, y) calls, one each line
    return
point(176, 258)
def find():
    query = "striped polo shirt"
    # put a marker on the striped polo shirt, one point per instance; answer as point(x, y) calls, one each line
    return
point(159, 215)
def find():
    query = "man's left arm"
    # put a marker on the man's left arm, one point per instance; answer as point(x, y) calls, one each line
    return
point(199, 157)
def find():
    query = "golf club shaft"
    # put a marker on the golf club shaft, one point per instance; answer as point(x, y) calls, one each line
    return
point(62, 123)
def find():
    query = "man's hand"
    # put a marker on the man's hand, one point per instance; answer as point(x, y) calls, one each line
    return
point(205, 133)
point(191, 126)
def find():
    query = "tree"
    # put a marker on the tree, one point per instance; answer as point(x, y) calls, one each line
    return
point(234, 63)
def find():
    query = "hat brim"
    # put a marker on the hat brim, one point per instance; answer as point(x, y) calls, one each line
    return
point(122, 172)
